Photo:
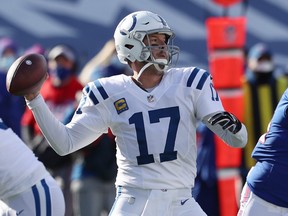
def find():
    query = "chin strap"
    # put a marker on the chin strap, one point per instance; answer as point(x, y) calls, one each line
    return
point(142, 70)
point(161, 62)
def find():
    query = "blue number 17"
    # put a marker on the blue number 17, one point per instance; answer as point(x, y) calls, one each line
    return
point(154, 117)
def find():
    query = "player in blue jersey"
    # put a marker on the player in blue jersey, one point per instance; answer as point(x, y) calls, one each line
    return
point(153, 115)
point(265, 192)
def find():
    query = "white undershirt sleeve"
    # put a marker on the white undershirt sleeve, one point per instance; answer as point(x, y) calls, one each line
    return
point(64, 139)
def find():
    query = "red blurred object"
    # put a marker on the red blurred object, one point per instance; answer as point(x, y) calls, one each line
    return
point(226, 32)
point(226, 3)
point(226, 38)
point(229, 188)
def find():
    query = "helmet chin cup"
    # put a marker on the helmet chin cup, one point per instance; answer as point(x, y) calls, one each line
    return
point(161, 61)
point(161, 64)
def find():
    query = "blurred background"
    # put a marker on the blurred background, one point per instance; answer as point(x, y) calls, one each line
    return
point(243, 42)
point(88, 24)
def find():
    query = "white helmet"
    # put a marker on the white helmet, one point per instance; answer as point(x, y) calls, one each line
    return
point(130, 33)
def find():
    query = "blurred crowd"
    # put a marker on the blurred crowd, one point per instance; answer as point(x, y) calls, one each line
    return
point(87, 176)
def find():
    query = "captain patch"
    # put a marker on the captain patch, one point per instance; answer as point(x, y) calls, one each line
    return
point(121, 105)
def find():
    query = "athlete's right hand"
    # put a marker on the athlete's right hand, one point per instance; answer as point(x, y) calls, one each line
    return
point(31, 96)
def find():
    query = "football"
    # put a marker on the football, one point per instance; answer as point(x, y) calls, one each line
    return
point(26, 74)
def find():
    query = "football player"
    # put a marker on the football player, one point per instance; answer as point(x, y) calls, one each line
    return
point(26, 187)
point(153, 114)
point(265, 192)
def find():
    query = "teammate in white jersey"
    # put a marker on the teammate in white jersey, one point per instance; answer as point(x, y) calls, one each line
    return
point(26, 187)
point(153, 115)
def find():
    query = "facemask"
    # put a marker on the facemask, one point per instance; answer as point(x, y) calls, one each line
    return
point(264, 67)
point(61, 73)
point(6, 62)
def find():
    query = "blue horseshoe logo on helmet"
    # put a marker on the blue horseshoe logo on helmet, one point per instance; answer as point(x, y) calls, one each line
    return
point(132, 27)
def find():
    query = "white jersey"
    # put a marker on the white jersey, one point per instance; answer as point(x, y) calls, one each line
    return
point(19, 168)
point(155, 131)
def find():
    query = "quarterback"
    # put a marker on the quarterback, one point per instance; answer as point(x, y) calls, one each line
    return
point(153, 114)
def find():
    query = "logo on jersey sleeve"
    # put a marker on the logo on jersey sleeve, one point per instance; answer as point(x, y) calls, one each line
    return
point(121, 105)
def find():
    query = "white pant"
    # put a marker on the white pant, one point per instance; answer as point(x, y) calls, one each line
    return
point(43, 199)
point(140, 202)
point(251, 205)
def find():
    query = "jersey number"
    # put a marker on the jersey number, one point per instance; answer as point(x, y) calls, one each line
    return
point(154, 117)
point(214, 93)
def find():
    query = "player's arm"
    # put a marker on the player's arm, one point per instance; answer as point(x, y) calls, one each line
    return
point(228, 127)
point(210, 110)
point(64, 139)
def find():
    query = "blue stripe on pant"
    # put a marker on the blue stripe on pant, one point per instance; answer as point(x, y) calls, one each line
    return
point(38, 201)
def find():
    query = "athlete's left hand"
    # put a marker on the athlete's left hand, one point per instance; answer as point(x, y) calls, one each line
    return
point(227, 120)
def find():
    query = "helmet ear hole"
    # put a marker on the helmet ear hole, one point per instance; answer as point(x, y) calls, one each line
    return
point(129, 46)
